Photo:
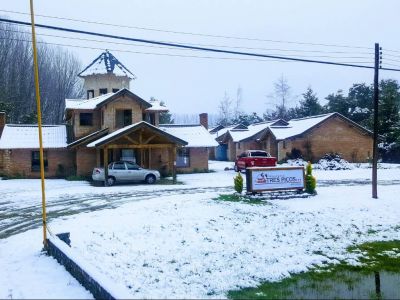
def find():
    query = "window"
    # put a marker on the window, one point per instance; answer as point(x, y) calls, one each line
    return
point(103, 91)
point(35, 161)
point(123, 118)
point(152, 119)
point(128, 155)
point(119, 165)
point(284, 144)
point(115, 90)
point(90, 94)
point(132, 166)
point(86, 119)
point(183, 158)
point(102, 117)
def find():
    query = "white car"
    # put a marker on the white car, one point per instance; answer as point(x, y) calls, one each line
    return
point(125, 171)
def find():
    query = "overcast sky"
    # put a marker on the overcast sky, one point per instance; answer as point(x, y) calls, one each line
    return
point(194, 85)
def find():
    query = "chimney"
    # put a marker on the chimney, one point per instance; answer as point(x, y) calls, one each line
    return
point(2, 121)
point(204, 120)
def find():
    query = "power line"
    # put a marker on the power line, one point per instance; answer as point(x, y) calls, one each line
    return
point(163, 47)
point(236, 47)
point(191, 47)
point(396, 51)
point(153, 53)
point(191, 33)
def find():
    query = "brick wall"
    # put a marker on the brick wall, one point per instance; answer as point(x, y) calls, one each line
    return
point(333, 135)
point(85, 161)
point(198, 160)
point(17, 162)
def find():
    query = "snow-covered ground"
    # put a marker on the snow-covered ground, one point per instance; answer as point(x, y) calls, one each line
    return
point(177, 242)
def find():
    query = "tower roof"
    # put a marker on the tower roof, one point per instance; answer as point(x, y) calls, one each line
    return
point(106, 63)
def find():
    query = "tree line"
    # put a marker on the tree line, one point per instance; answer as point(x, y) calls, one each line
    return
point(356, 104)
point(58, 79)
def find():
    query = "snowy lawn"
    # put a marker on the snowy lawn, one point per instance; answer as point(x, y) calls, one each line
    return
point(195, 247)
point(173, 243)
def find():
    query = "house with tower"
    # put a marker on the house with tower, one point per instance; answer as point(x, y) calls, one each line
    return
point(112, 123)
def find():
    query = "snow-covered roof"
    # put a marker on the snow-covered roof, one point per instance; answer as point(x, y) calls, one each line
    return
point(86, 103)
point(156, 106)
point(106, 63)
point(298, 126)
point(242, 134)
point(27, 137)
point(280, 128)
point(194, 135)
point(92, 103)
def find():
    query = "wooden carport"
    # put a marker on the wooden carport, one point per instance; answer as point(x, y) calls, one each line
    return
point(154, 148)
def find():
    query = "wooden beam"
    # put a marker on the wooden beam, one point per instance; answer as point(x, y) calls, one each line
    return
point(148, 146)
point(105, 165)
point(174, 164)
point(131, 140)
point(98, 157)
point(149, 158)
point(149, 139)
point(141, 136)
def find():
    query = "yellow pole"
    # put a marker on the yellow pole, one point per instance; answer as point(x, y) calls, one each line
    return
point(39, 117)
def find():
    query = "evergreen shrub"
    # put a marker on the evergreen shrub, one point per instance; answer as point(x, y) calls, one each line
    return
point(311, 181)
point(238, 183)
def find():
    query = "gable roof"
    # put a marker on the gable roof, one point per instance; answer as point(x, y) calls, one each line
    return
point(156, 106)
point(127, 129)
point(99, 101)
point(282, 129)
point(17, 136)
point(106, 63)
point(194, 135)
point(88, 138)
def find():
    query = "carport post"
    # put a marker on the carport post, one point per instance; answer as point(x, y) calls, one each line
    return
point(174, 164)
point(105, 162)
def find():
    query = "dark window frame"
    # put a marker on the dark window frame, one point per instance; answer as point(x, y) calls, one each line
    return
point(126, 118)
point(88, 93)
point(35, 161)
point(115, 90)
point(103, 91)
point(86, 119)
point(183, 158)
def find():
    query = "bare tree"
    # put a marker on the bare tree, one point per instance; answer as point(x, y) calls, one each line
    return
point(58, 79)
point(225, 110)
point(281, 96)
point(238, 102)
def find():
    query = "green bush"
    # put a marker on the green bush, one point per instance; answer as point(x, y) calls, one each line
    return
point(238, 183)
point(311, 181)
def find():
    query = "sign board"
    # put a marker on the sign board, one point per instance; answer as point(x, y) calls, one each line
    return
point(270, 179)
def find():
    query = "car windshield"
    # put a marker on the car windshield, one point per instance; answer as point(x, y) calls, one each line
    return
point(259, 153)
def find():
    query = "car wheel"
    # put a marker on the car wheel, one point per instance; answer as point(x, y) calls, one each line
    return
point(150, 179)
point(236, 168)
point(110, 181)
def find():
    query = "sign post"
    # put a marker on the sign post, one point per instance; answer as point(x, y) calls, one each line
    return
point(259, 179)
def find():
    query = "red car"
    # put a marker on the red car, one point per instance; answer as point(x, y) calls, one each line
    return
point(254, 158)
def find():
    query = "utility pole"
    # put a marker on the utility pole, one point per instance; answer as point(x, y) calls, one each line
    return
point(375, 144)
point(39, 117)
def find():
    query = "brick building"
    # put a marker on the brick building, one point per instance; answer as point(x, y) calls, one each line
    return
point(111, 124)
point(313, 136)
